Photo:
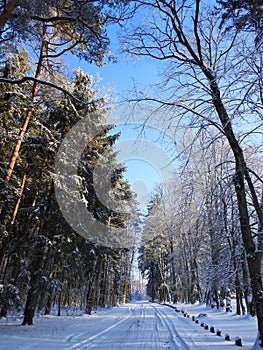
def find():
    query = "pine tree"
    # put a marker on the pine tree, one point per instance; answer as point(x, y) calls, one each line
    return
point(40, 241)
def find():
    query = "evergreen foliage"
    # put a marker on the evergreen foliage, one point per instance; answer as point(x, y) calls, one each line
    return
point(43, 262)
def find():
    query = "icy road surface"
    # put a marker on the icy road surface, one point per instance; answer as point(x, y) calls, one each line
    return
point(140, 325)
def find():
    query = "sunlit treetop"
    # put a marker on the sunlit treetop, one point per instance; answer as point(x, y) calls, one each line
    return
point(76, 26)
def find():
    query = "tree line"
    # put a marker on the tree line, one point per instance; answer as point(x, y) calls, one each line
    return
point(211, 55)
point(192, 245)
point(44, 262)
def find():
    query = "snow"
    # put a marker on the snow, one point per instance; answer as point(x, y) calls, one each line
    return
point(141, 325)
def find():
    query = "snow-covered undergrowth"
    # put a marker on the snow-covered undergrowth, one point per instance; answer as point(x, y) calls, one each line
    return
point(229, 323)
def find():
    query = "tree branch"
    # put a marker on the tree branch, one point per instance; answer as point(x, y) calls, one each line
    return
point(43, 82)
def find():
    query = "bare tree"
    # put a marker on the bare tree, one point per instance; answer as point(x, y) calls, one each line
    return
point(200, 87)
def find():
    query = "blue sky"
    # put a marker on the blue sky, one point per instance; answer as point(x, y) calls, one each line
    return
point(122, 75)
point(148, 158)
point(146, 169)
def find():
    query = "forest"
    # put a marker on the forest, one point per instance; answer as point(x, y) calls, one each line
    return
point(200, 239)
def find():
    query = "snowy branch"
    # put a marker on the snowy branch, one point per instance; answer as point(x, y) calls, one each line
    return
point(44, 82)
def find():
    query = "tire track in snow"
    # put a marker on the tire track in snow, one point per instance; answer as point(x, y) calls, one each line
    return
point(176, 340)
point(146, 326)
point(84, 342)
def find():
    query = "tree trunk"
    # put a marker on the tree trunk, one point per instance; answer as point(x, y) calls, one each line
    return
point(21, 191)
point(126, 284)
point(35, 284)
point(153, 295)
point(238, 294)
point(49, 302)
point(30, 308)
point(5, 241)
point(247, 291)
point(4, 310)
point(23, 129)
point(59, 303)
point(7, 13)
point(228, 301)
point(104, 284)
point(94, 287)
point(252, 254)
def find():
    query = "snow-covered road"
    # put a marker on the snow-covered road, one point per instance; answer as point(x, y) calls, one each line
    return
point(141, 326)
point(146, 326)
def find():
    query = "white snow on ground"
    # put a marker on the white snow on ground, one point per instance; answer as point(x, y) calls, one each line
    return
point(140, 325)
